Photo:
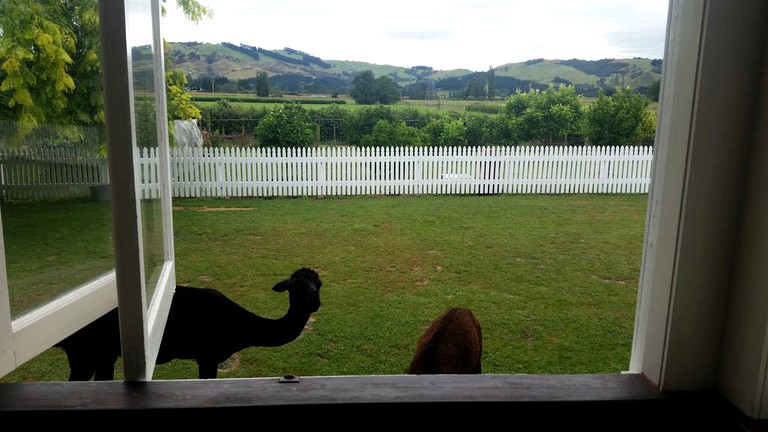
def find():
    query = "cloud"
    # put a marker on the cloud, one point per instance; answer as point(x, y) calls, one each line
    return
point(406, 32)
point(419, 34)
point(638, 42)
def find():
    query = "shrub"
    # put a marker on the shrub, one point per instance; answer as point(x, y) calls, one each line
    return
point(391, 134)
point(289, 125)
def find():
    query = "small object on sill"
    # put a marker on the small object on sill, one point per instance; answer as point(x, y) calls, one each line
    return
point(288, 379)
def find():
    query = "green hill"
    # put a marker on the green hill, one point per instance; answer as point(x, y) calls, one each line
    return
point(294, 70)
point(611, 72)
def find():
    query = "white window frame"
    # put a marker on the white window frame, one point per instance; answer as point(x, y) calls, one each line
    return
point(141, 326)
point(702, 312)
point(142, 322)
point(702, 309)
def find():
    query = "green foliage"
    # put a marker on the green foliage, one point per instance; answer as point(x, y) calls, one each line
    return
point(357, 124)
point(368, 90)
point(36, 53)
point(339, 124)
point(288, 125)
point(518, 121)
point(546, 116)
point(329, 121)
point(491, 79)
point(654, 89)
point(87, 100)
point(262, 84)
point(227, 119)
point(363, 88)
point(490, 130)
point(179, 102)
point(387, 90)
point(145, 117)
point(193, 10)
point(50, 67)
point(648, 127)
point(446, 132)
point(620, 119)
point(478, 87)
point(391, 134)
point(454, 134)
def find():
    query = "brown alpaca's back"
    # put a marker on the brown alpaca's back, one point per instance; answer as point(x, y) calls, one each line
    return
point(452, 344)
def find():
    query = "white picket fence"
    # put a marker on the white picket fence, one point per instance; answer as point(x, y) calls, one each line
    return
point(326, 171)
point(37, 173)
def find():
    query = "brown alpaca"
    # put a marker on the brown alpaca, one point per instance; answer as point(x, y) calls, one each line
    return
point(453, 344)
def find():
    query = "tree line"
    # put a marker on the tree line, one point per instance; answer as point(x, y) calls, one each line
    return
point(367, 89)
point(554, 116)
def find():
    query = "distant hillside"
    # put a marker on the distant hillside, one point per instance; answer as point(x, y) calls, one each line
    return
point(233, 68)
point(608, 72)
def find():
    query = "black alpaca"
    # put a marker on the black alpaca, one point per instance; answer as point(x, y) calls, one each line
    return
point(203, 325)
point(452, 344)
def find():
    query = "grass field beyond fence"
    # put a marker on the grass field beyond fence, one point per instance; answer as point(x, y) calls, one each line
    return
point(552, 278)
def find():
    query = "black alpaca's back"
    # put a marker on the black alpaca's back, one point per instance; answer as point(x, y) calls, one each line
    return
point(203, 325)
point(206, 326)
point(202, 317)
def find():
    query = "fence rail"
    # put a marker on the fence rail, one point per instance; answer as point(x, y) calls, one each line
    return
point(324, 171)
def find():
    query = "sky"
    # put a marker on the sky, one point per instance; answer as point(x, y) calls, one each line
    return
point(445, 34)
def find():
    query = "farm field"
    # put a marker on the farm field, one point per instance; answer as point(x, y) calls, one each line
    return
point(245, 101)
point(552, 278)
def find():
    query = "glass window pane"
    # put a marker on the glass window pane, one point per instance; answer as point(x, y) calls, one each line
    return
point(144, 67)
point(56, 210)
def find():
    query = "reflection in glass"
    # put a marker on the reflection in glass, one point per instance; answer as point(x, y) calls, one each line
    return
point(56, 215)
point(143, 69)
point(54, 183)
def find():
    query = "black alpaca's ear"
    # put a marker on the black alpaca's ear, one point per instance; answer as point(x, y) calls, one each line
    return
point(282, 286)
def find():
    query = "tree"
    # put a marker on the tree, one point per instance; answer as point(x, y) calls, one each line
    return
point(619, 119)
point(491, 82)
point(545, 115)
point(38, 49)
point(262, 84)
point(363, 89)
point(368, 90)
point(50, 68)
point(391, 134)
point(477, 88)
point(386, 90)
point(179, 103)
point(654, 89)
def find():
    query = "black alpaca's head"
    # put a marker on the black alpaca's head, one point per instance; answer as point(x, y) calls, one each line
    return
point(303, 289)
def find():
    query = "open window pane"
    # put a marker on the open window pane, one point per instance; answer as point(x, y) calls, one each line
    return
point(58, 255)
point(56, 235)
point(145, 282)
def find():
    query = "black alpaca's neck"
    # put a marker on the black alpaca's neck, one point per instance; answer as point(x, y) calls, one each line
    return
point(275, 332)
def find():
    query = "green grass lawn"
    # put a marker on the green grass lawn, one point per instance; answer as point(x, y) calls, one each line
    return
point(552, 278)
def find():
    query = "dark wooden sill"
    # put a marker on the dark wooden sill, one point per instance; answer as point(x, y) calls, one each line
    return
point(587, 400)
